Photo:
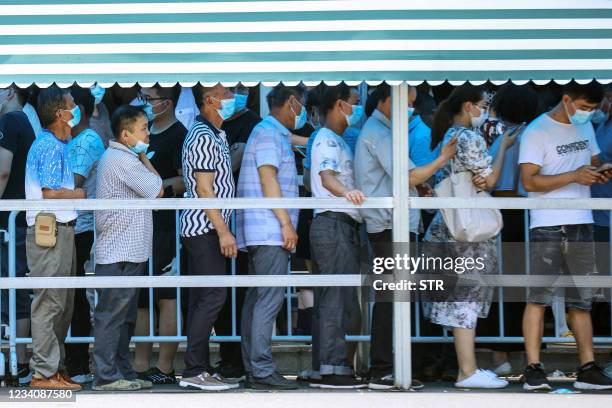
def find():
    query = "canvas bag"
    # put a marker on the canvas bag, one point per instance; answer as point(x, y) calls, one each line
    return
point(467, 224)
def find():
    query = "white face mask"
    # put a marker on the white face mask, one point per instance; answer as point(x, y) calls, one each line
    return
point(477, 121)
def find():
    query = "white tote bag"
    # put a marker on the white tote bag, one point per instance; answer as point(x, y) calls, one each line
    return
point(467, 224)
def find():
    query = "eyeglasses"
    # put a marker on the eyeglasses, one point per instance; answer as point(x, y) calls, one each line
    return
point(149, 99)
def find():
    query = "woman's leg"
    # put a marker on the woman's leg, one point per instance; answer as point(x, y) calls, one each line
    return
point(466, 355)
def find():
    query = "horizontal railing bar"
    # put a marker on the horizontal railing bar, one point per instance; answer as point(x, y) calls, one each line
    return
point(414, 339)
point(306, 202)
point(599, 281)
point(190, 203)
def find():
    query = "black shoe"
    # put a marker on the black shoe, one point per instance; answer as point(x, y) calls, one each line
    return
point(272, 382)
point(230, 371)
point(24, 374)
point(338, 382)
point(155, 375)
point(534, 378)
point(591, 376)
point(384, 382)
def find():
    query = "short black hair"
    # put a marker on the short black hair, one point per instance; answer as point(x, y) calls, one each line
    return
point(381, 93)
point(516, 103)
point(83, 97)
point(124, 117)
point(50, 100)
point(425, 104)
point(331, 95)
point(281, 93)
point(592, 92)
point(172, 93)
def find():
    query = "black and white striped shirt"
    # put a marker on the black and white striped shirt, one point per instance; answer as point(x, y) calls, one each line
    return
point(205, 149)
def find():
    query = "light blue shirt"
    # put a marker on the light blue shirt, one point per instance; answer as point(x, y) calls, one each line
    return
point(84, 152)
point(604, 140)
point(269, 144)
point(419, 139)
point(48, 167)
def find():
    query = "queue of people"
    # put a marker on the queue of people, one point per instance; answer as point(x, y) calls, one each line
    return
point(507, 142)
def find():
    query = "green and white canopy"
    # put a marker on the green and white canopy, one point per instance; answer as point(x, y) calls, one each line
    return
point(169, 41)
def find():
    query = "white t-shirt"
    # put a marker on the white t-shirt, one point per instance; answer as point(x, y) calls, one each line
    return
point(331, 152)
point(33, 118)
point(559, 148)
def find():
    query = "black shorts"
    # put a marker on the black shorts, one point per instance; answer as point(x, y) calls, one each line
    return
point(164, 251)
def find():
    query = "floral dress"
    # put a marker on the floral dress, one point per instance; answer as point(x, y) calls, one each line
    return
point(461, 306)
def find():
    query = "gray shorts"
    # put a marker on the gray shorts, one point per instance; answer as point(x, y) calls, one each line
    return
point(562, 250)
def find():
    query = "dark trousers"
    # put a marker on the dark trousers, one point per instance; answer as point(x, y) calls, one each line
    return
point(335, 250)
point(114, 322)
point(77, 354)
point(205, 258)
point(381, 344)
point(230, 351)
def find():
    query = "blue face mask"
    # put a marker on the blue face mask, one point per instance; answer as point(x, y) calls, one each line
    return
point(140, 147)
point(148, 109)
point(76, 117)
point(300, 120)
point(410, 112)
point(98, 93)
point(580, 117)
point(355, 117)
point(228, 108)
point(241, 101)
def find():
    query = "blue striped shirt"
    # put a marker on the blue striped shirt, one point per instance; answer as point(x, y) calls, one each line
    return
point(269, 144)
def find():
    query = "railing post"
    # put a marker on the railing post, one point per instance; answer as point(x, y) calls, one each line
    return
point(12, 293)
point(401, 234)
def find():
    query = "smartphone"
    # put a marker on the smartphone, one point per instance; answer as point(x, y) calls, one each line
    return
point(604, 168)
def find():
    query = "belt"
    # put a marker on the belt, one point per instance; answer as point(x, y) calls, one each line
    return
point(66, 224)
point(340, 216)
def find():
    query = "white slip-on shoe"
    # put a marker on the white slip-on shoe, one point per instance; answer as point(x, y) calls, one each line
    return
point(482, 379)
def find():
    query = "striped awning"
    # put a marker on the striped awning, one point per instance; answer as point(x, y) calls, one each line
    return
point(147, 41)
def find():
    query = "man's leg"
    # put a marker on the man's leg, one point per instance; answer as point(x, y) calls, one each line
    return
point(582, 327)
point(381, 345)
point(68, 263)
point(109, 318)
point(533, 330)
point(48, 305)
point(268, 260)
point(77, 354)
point(335, 251)
point(205, 303)
point(127, 329)
point(247, 319)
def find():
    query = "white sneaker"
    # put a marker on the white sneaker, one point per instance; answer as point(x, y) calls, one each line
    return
point(482, 379)
point(503, 369)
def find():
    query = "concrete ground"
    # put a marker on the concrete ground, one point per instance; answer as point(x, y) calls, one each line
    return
point(436, 394)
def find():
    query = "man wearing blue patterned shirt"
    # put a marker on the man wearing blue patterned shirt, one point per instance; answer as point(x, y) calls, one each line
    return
point(49, 176)
point(268, 170)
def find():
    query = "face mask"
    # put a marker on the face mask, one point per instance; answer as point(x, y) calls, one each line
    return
point(98, 93)
point(228, 108)
point(241, 101)
point(300, 120)
point(76, 117)
point(410, 112)
point(140, 147)
point(148, 109)
point(355, 117)
point(477, 121)
point(580, 117)
point(598, 117)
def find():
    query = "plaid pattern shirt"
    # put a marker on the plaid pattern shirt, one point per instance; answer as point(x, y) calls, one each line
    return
point(124, 235)
point(269, 144)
